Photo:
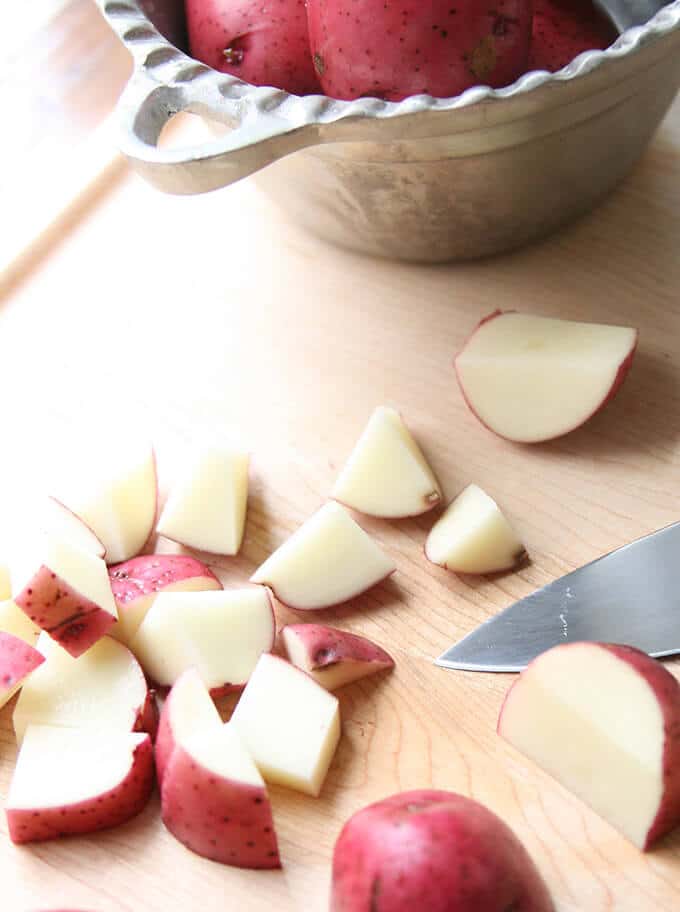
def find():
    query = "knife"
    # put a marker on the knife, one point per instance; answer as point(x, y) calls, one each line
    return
point(631, 596)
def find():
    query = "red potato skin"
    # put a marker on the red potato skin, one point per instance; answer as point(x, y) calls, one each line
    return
point(72, 620)
point(121, 803)
point(563, 29)
point(215, 692)
point(17, 660)
point(165, 739)
point(264, 44)
point(150, 574)
point(667, 691)
point(226, 821)
point(433, 850)
point(621, 375)
point(487, 319)
point(225, 689)
point(327, 646)
point(393, 50)
point(147, 717)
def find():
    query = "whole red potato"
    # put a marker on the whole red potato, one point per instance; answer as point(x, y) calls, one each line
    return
point(264, 43)
point(407, 47)
point(433, 851)
point(563, 29)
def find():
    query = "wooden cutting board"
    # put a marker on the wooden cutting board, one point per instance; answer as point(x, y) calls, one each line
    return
point(175, 316)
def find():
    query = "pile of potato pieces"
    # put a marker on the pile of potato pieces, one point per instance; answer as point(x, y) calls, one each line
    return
point(93, 614)
point(170, 613)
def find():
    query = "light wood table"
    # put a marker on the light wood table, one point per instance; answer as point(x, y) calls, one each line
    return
point(176, 316)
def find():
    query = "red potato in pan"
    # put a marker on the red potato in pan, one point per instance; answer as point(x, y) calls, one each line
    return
point(393, 50)
point(265, 44)
point(563, 29)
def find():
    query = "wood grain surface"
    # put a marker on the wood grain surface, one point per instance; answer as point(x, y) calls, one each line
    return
point(61, 71)
point(173, 317)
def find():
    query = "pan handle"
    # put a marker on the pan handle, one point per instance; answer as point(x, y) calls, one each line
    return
point(263, 124)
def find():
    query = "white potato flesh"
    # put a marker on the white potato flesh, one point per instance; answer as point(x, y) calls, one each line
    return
point(136, 588)
point(532, 378)
point(191, 707)
point(59, 522)
point(120, 507)
point(222, 752)
point(132, 615)
point(103, 689)
point(473, 536)
point(5, 583)
point(387, 474)
point(592, 721)
point(289, 724)
point(220, 633)
point(328, 560)
point(82, 765)
point(13, 620)
point(206, 508)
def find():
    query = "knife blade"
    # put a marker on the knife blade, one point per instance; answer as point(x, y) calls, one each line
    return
point(631, 596)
